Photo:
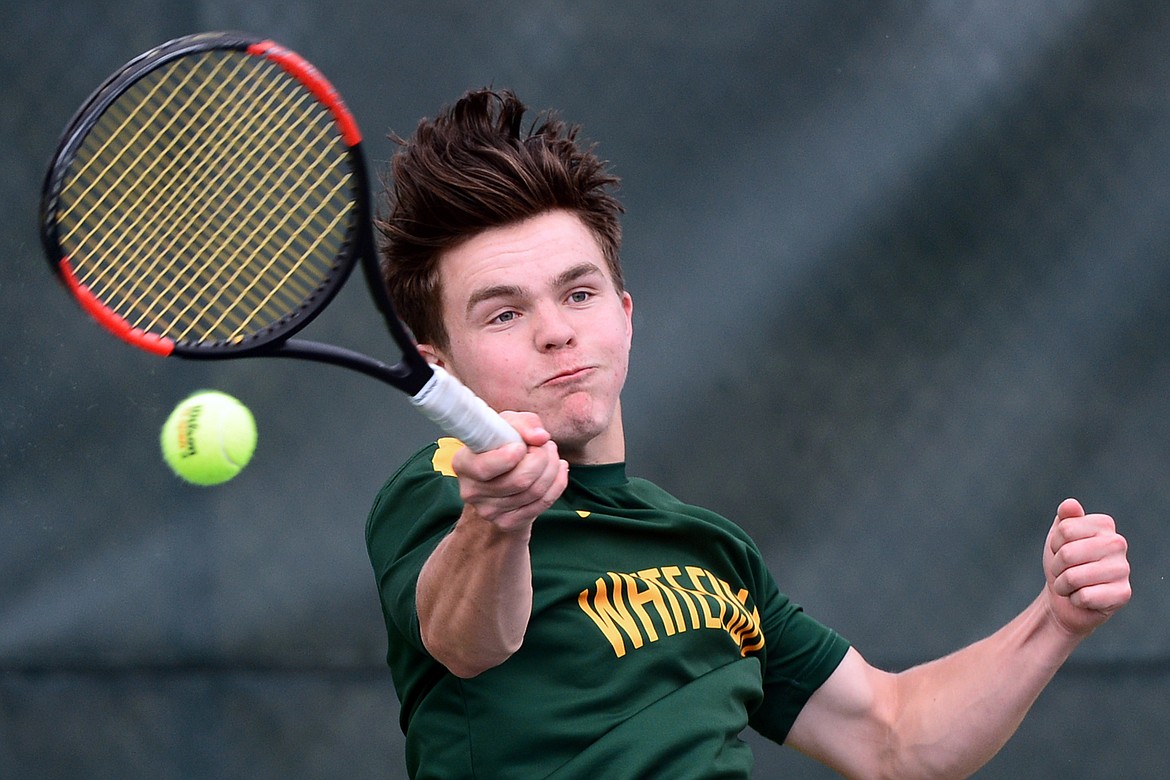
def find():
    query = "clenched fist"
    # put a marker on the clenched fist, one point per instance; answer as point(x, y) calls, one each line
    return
point(1086, 568)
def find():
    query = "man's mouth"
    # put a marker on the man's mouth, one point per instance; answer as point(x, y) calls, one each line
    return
point(568, 376)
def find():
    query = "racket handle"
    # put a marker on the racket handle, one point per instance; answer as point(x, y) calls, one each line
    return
point(461, 413)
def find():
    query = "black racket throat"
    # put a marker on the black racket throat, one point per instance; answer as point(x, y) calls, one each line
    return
point(409, 375)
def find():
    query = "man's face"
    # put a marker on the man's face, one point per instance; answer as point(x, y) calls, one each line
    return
point(536, 325)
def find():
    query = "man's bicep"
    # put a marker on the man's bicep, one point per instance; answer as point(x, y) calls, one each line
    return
point(844, 724)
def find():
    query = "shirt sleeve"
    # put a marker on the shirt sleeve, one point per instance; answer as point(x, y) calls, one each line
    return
point(799, 655)
point(416, 508)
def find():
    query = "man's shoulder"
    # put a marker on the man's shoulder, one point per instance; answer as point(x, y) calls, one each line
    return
point(427, 463)
point(422, 480)
point(665, 499)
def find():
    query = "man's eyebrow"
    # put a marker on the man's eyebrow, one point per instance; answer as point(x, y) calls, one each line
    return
point(570, 275)
point(490, 293)
point(563, 279)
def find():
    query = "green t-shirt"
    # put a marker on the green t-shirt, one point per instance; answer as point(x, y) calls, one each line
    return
point(657, 635)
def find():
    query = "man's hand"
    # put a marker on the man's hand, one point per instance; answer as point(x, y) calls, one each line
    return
point(510, 486)
point(1086, 569)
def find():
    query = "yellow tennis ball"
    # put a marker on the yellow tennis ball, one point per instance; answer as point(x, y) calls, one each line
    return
point(208, 438)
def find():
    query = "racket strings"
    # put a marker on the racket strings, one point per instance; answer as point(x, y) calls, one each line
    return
point(147, 167)
point(195, 190)
point(235, 240)
point(211, 200)
point(241, 233)
point(147, 189)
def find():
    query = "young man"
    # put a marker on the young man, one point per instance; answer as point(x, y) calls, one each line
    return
point(549, 616)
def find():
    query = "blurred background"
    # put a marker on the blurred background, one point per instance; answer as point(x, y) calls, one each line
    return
point(901, 285)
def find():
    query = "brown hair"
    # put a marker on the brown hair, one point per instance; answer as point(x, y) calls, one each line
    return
point(472, 169)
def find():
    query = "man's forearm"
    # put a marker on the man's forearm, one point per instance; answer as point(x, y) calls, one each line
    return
point(954, 714)
point(474, 595)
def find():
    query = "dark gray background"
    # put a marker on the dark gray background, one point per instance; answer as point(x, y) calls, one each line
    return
point(900, 286)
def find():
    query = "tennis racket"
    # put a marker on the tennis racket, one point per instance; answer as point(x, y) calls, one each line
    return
point(209, 200)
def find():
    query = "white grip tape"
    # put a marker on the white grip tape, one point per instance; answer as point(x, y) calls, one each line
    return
point(461, 413)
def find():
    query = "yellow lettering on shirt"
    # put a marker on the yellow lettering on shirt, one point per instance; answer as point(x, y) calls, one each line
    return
point(671, 575)
point(441, 460)
point(632, 609)
point(697, 575)
point(611, 615)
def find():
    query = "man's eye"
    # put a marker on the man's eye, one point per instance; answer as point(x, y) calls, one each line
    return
point(504, 317)
point(579, 296)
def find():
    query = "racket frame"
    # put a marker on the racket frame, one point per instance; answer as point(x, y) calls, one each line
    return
point(410, 375)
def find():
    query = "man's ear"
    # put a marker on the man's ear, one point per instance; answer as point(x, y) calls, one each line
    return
point(431, 355)
point(435, 357)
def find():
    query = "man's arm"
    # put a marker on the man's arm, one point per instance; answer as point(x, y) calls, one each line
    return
point(948, 717)
point(474, 593)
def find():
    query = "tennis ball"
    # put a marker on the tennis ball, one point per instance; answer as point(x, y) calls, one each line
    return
point(208, 438)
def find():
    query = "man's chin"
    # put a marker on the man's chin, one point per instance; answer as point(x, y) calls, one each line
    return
point(581, 425)
point(586, 441)
point(575, 436)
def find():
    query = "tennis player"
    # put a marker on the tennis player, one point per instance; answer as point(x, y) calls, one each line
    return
point(549, 615)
